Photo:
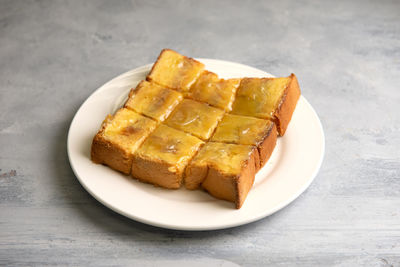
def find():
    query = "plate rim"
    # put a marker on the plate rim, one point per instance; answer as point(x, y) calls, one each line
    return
point(196, 228)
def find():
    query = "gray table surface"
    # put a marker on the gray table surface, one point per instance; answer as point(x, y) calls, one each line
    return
point(54, 54)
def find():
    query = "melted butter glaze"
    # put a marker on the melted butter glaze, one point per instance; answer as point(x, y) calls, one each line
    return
point(214, 91)
point(153, 100)
point(171, 146)
point(175, 70)
point(228, 158)
point(195, 118)
point(127, 129)
point(241, 130)
point(260, 97)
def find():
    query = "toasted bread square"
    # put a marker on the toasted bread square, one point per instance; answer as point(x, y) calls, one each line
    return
point(243, 130)
point(268, 98)
point(120, 135)
point(175, 70)
point(199, 119)
point(226, 171)
point(162, 158)
point(217, 92)
point(153, 100)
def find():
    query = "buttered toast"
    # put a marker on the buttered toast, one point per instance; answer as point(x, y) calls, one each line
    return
point(196, 118)
point(119, 137)
point(162, 158)
point(183, 125)
point(217, 92)
point(242, 130)
point(268, 98)
point(226, 171)
point(175, 71)
point(153, 100)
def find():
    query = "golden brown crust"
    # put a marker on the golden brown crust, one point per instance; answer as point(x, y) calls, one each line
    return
point(206, 72)
point(284, 113)
point(233, 188)
point(108, 152)
point(194, 176)
point(155, 172)
point(193, 61)
point(245, 181)
point(266, 147)
point(220, 185)
point(103, 152)
point(133, 91)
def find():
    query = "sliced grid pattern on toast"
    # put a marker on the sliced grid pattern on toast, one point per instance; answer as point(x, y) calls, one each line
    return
point(218, 133)
point(209, 88)
point(162, 158)
point(196, 118)
point(243, 130)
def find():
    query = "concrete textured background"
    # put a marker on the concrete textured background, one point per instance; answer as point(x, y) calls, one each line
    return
point(54, 54)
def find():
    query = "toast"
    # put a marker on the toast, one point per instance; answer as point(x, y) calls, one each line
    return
point(226, 171)
point(185, 124)
point(153, 100)
point(268, 98)
point(162, 158)
point(196, 118)
point(119, 137)
point(242, 130)
point(217, 92)
point(175, 71)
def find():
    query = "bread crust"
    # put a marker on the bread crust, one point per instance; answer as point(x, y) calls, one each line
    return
point(104, 152)
point(245, 181)
point(194, 176)
point(284, 112)
point(267, 146)
point(155, 172)
point(133, 91)
point(233, 188)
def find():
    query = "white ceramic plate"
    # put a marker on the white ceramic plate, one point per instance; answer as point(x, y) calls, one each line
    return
point(292, 167)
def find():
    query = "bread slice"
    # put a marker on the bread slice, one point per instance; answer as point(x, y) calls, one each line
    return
point(226, 171)
point(196, 118)
point(162, 158)
point(153, 100)
point(175, 70)
point(217, 92)
point(118, 138)
point(243, 130)
point(268, 98)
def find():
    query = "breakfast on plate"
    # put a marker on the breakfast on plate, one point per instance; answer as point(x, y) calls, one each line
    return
point(185, 126)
